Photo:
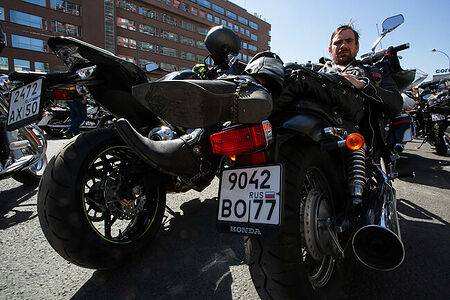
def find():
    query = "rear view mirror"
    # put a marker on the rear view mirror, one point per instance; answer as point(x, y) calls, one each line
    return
point(392, 22)
point(151, 67)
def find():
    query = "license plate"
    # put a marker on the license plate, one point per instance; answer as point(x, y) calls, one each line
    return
point(24, 105)
point(250, 201)
point(437, 117)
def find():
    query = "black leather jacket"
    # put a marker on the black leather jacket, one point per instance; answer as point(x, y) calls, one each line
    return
point(378, 88)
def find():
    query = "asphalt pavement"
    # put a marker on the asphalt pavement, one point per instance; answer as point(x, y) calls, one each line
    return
point(190, 260)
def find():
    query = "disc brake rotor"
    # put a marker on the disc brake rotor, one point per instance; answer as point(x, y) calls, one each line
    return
point(316, 212)
point(122, 204)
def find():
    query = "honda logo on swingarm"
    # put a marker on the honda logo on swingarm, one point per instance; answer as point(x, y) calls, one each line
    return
point(245, 230)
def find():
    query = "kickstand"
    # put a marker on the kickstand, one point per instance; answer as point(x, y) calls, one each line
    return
point(172, 212)
point(423, 142)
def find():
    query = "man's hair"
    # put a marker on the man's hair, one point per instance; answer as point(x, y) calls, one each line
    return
point(342, 28)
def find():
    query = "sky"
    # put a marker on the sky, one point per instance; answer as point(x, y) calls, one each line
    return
point(301, 29)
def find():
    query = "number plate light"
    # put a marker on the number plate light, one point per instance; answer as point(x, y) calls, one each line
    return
point(241, 140)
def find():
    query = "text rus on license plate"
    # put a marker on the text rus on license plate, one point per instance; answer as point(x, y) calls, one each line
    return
point(250, 200)
point(24, 105)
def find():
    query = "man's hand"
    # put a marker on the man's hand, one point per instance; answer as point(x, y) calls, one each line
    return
point(359, 84)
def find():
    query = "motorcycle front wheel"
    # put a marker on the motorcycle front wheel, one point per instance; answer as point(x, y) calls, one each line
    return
point(299, 263)
point(441, 145)
point(98, 203)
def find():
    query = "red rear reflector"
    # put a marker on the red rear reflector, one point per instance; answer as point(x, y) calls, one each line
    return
point(251, 159)
point(239, 140)
point(63, 95)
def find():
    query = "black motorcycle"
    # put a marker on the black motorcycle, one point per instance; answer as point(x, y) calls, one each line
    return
point(431, 114)
point(302, 192)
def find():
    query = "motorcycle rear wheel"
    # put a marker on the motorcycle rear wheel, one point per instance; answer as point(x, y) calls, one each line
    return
point(441, 146)
point(291, 265)
point(98, 203)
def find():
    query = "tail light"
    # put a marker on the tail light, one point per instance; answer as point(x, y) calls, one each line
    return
point(241, 140)
point(63, 94)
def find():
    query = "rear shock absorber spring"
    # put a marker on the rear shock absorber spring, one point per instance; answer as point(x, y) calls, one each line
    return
point(357, 174)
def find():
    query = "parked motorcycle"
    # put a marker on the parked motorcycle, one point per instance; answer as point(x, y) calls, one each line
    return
point(56, 118)
point(431, 114)
point(302, 191)
point(22, 143)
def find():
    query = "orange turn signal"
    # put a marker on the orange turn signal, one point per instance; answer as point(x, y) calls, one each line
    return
point(354, 141)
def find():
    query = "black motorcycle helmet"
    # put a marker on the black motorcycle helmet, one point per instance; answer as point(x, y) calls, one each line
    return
point(220, 42)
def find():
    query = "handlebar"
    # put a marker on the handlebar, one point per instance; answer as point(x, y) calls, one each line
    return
point(369, 58)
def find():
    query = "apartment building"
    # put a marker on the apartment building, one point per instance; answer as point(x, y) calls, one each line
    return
point(169, 33)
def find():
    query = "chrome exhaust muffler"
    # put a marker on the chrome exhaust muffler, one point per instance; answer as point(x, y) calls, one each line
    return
point(377, 244)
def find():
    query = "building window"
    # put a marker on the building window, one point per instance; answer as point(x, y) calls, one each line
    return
point(168, 67)
point(253, 25)
point(130, 59)
point(59, 69)
point(27, 19)
point(186, 41)
point(231, 15)
point(168, 51)
point(66, 6)
point(244, 45)
point(127, 24)
point(126, 5)
point(168, 19)
point(230, 25)
point(204, 3)
point(21, 65)
point(187, 55)
point(243, 20)
point(250, 58)
point(169, 36)
point(269, 33)
point(209, 17)
point(202, 30)
point(184, 7)
point(202, 14)
point(176, 3)
point(224, 23)
point(244, 57)
point(2, 14)
point(41, 67)
point(217, 20)
point(28, 43)
point(247, 32)
point(236, 28)
point(126, 42)
point(252, 47)
point(146, 12)
point(148, 30)
point(254, 37)
point(149, 47)
point(109, 25)
point(242, 30)
point(4, 63)
point(194, 10)
point(218, 9)
point(66, 29)
point(201, 58)
point(201, 45)
point(187, 26)
point(268, 44)
point(37, 2)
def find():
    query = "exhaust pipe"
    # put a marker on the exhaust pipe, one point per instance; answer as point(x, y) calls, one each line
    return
point(377, 244)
